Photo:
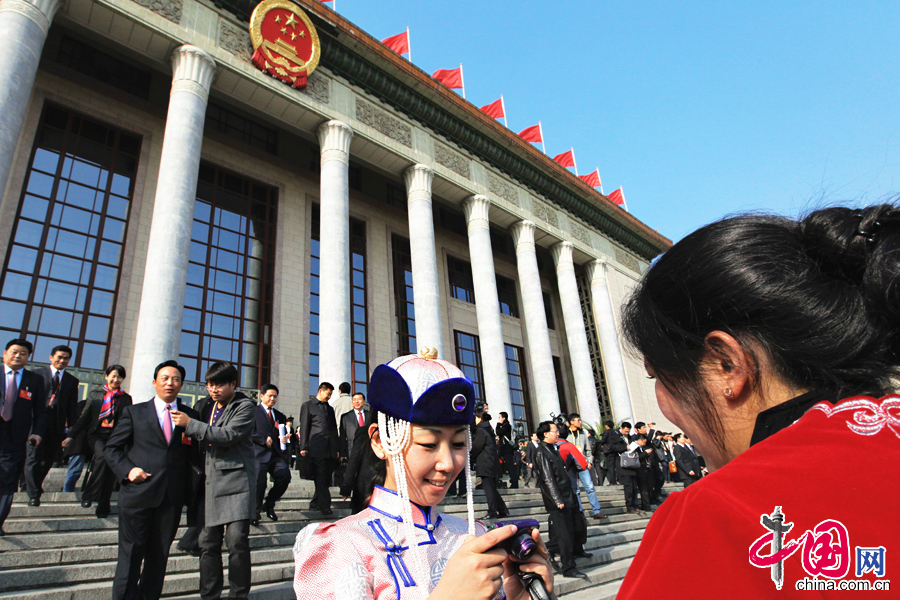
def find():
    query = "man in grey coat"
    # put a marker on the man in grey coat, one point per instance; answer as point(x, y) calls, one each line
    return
point(224, 432)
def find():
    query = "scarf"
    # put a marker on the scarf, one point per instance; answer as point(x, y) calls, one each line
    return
point(108, 408)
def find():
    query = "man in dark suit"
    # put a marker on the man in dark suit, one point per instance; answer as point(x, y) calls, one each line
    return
point(484, 457)
point(22, 419)
point(528, 460)
point(607, 440)
point(319, 443)
point(270, 458)
point(61, 390)
point(686, 461)
point(351, 421)
point(506, 449)
point(153, 460)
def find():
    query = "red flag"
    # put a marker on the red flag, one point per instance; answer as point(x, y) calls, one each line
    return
point(452, 78)
point(566, 159)
point(531, 134)
point(494, 109)
point(592, 179)
point(617, 197)
point(398, 43)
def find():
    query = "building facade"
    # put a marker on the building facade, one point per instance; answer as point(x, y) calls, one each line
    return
point(162, 197)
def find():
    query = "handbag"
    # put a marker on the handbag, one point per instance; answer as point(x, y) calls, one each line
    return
point(673, 468)
point(305, 468)
point(629, 460)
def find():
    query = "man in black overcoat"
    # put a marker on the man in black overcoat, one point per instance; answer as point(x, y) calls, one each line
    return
point(484, 457)
point(318, 436)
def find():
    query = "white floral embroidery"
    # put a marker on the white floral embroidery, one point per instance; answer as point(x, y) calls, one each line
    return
point(869, 417)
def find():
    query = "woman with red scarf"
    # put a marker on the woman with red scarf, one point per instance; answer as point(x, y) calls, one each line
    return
point(101, 411)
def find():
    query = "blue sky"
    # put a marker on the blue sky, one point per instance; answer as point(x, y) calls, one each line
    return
point(698, 109)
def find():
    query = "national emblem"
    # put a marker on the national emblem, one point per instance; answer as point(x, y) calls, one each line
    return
point(285, 43)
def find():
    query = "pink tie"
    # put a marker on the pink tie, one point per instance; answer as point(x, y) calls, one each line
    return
point(167, 424)
point(359, 418)
point(10, 399)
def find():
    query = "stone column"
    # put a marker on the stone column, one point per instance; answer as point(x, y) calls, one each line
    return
point(426, 289)
point(546, 394)
point(23, 30)
point(576, 336)
point(487, 305)
point(335, 336)
point(613, 366)
point(158, 336)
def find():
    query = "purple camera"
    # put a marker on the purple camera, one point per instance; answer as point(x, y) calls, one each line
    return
point(521, 545)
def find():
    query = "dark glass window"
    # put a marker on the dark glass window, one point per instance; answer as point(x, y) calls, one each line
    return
point(61, 278)
point(403, 295)
point(314, 270)
point(395, 195)
point(104, 67)
point(518, 390)
point(560, 389)
point(360, 349)
point(450, 220)
point(228, 302)
point(237, 127)
point(590, 326)
point(548, 311)
point(468, 359)
point(360, 362)
point(354, 177)
point(461, 286)
point(506, 291)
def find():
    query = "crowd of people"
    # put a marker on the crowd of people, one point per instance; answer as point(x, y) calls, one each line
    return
point(781, 347)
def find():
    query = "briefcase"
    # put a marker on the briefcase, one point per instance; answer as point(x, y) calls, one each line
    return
point(305, 467)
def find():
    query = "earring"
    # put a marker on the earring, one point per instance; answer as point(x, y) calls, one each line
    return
point(728, 393)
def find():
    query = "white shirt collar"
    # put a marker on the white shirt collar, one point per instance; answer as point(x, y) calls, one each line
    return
point(161, 404)
point(54, 371)
point(7, 369)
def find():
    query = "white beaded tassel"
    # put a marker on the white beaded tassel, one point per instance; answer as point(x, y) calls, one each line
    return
point(470, 503)
point(395, 435)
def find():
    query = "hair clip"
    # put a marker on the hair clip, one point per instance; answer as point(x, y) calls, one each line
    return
point(871, 233)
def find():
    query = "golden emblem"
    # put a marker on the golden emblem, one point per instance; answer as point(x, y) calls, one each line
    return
point(285, 43)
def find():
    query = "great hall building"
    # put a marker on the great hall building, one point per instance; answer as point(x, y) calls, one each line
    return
point(163, 197)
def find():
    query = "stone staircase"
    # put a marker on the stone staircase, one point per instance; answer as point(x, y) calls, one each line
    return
point(61, 551)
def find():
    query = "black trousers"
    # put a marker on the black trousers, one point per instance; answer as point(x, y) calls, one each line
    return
point(237, 536)
point(496, 505)
point(611, 460)
point(630, 485)
point(40, 458)
point(562, 536)
point(99, 486)
point(145, 535)
point(322, 469)
point(281, 477)
point(461, 490)
point(643, 484)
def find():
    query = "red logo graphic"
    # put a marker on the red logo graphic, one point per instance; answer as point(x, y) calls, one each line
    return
point(286, 45)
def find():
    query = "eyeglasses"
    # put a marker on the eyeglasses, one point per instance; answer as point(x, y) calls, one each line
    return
point(216, 386)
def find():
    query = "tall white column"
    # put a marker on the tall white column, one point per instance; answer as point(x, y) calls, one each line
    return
point(23, 30)
point(487, 305)
point(426, 290)
point(576, 336)
point(158, 336)
point(335, 336)
point(613, 366)
point(547, 397)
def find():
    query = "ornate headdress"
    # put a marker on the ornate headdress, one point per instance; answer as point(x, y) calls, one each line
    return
point(422, 389)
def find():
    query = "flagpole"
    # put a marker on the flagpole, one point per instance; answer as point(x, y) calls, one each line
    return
point(541, 129)
point(574, 164)
point(601, 181)
point(503, 106)
point(462, 80)
point(408, 45)
point(624, 202)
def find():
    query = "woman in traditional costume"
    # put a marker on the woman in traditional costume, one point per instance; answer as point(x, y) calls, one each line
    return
point(775, 346)
point(401, 545)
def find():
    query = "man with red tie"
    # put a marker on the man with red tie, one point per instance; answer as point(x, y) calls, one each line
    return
point(22, 418)
point(268, 440)
point(351, 421)
point(153, 460)
point(61, 400)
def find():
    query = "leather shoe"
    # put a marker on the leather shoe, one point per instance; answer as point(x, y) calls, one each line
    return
point(255, 520)
point(2, 533)
point(34, 502)
point(575, 573)
point(633, 511)
point(270, 512)
point(583, 555)
point(85, 504)
point(102, 514)
point(554, 562)
point(598, 516)
point(313, 506)
point(327, 512)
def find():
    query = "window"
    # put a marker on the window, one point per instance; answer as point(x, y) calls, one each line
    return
point(590, 326)
point(360, 363)
point(506, 291)
point(461, 286)
point(403, 295)
point(518, 391)
point(360, 350)
point(104, 67)
point(228, 301)
point(395, 195)
point(548, 311)
point(230, 124)
point(61, 278)
point(468, 359)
